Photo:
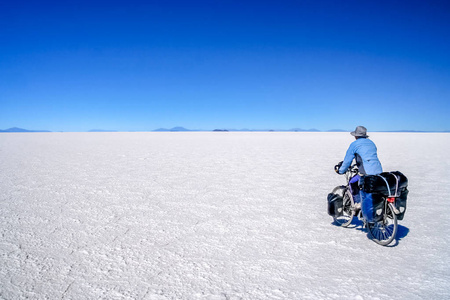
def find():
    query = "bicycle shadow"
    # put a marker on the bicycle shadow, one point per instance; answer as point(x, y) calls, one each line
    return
point(402, 232)
point(357, 224)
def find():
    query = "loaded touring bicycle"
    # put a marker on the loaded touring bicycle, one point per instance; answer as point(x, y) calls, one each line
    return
point(384, 203)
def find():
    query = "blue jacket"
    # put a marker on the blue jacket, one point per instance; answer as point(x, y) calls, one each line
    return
point(365, 153)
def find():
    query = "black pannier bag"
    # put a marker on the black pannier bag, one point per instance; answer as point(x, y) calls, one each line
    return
point(373, 207)
point(335, 204)
point(400, 203)
point(378, 207)
point(389, 184)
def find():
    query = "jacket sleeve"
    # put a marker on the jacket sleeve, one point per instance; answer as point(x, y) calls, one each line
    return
point(349, 156)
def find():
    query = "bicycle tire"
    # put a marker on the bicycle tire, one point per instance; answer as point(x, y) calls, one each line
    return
point(384, 231)
point(347, 208)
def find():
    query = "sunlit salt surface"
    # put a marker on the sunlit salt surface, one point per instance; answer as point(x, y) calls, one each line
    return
point(218, 215)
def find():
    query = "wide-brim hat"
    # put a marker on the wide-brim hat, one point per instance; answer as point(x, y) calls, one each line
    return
point(360, 131)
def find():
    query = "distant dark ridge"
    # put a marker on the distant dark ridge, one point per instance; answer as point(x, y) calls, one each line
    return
point(266, 130)
point(17, 129)
point(174, 129)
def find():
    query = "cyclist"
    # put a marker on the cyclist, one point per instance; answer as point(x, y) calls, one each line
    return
point(364, 152)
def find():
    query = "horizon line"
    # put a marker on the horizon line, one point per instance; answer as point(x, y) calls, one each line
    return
point(183, 129)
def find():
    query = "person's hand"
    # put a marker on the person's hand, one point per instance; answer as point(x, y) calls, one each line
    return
point(338, 166)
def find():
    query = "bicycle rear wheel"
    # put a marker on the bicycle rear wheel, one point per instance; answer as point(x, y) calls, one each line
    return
point(346, 218)
point(384, 231)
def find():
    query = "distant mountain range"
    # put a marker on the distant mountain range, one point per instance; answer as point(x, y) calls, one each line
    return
point(175, 129)
point(16, 129)
point(182, 129)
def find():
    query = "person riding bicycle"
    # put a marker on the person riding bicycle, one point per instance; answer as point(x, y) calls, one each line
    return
point(364, 152)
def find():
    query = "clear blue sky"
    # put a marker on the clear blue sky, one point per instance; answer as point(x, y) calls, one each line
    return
point(141, 65)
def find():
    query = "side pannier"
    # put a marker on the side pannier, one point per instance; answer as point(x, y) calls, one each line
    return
point(335, 202)
point(372, 206)
point(400, 203)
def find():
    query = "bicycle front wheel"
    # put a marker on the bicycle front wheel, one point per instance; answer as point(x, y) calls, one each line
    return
point(384, 231)
point(345, 219)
